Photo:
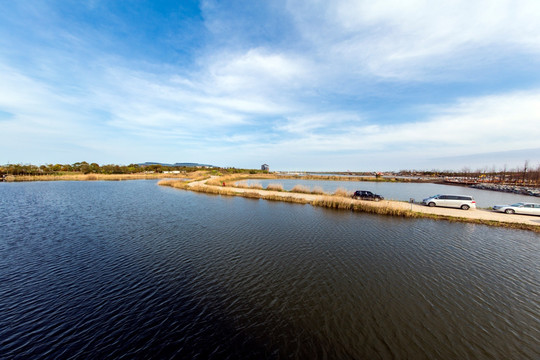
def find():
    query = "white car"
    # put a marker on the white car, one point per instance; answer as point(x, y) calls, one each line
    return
point(458, 201)
point(519, 208)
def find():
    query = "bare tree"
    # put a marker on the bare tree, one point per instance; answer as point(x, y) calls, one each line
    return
point(525, 167)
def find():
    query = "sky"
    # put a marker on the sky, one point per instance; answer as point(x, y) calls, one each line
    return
point(299, 85)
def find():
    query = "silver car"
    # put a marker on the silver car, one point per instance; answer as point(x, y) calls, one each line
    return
point(458, 201)
point(519, 208)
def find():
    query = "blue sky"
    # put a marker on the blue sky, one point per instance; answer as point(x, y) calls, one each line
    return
point(300, 85)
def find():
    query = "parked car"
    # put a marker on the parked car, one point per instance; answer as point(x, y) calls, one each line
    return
point(366, 195)
point(519, 208)
point(464, 202)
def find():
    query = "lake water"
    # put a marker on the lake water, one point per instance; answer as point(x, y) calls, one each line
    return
point(129, 269)
point(406, 191)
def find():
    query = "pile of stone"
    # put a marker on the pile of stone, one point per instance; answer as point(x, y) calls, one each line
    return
point(522, 190)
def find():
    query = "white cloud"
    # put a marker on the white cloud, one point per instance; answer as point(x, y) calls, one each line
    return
point(407, 39)
point(477, 125)
point(320, 122)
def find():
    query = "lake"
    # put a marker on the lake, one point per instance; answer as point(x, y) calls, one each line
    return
point(130, 269)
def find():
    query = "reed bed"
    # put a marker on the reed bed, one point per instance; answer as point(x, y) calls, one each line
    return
point(256, 185)
point(216, 190)
point(317, 190)
point(274, 187)
point(347, 204)
point(301, 189)
point(241, 184)
point(178, 184)
point(342, 192)
point(285, 198)
point(218, 181)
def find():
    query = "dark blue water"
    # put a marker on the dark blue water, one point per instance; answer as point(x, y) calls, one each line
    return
point(134, 270)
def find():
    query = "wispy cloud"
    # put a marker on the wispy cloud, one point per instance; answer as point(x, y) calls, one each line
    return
point(408, 39)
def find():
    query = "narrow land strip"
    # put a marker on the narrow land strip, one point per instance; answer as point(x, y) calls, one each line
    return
point(385, 207)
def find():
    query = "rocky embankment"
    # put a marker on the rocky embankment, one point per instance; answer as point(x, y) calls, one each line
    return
point(523, 190)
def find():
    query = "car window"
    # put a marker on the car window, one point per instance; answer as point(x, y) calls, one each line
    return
point(529, 205)
point(517, 205)
point(444, 197)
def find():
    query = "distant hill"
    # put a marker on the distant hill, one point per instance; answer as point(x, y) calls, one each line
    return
point(175, 164)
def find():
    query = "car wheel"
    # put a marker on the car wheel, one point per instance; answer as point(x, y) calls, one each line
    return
point(465, 207)
point(377, 199)
point(509, 211)
point(431, 204)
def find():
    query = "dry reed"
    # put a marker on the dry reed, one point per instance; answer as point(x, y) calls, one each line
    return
point(178, 184)
point(274, 187)
point(301, 189)
point(256, 185)
point(342, 192)
point(317, 190)
point(241, 184)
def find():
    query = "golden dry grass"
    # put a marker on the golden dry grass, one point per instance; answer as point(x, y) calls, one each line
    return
point(301, 189)
point(241, 184)
point(317, 190)
point(274, 187)
point(342, 192)
point(230, 191)
point(178, 184)
point(256, 185)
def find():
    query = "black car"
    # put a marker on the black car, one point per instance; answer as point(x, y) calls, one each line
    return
point(366, 195)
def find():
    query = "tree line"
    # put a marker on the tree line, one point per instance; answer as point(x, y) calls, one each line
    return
point(83, 168)
point(94, 168)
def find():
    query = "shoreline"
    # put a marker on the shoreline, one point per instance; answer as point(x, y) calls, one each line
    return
point(385, 207)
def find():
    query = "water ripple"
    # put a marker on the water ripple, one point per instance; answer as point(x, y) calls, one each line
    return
point(132, 270)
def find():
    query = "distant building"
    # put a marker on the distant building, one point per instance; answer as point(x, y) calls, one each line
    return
point(265, 167)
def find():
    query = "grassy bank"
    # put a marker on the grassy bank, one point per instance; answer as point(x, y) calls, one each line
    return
point(340, 203)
